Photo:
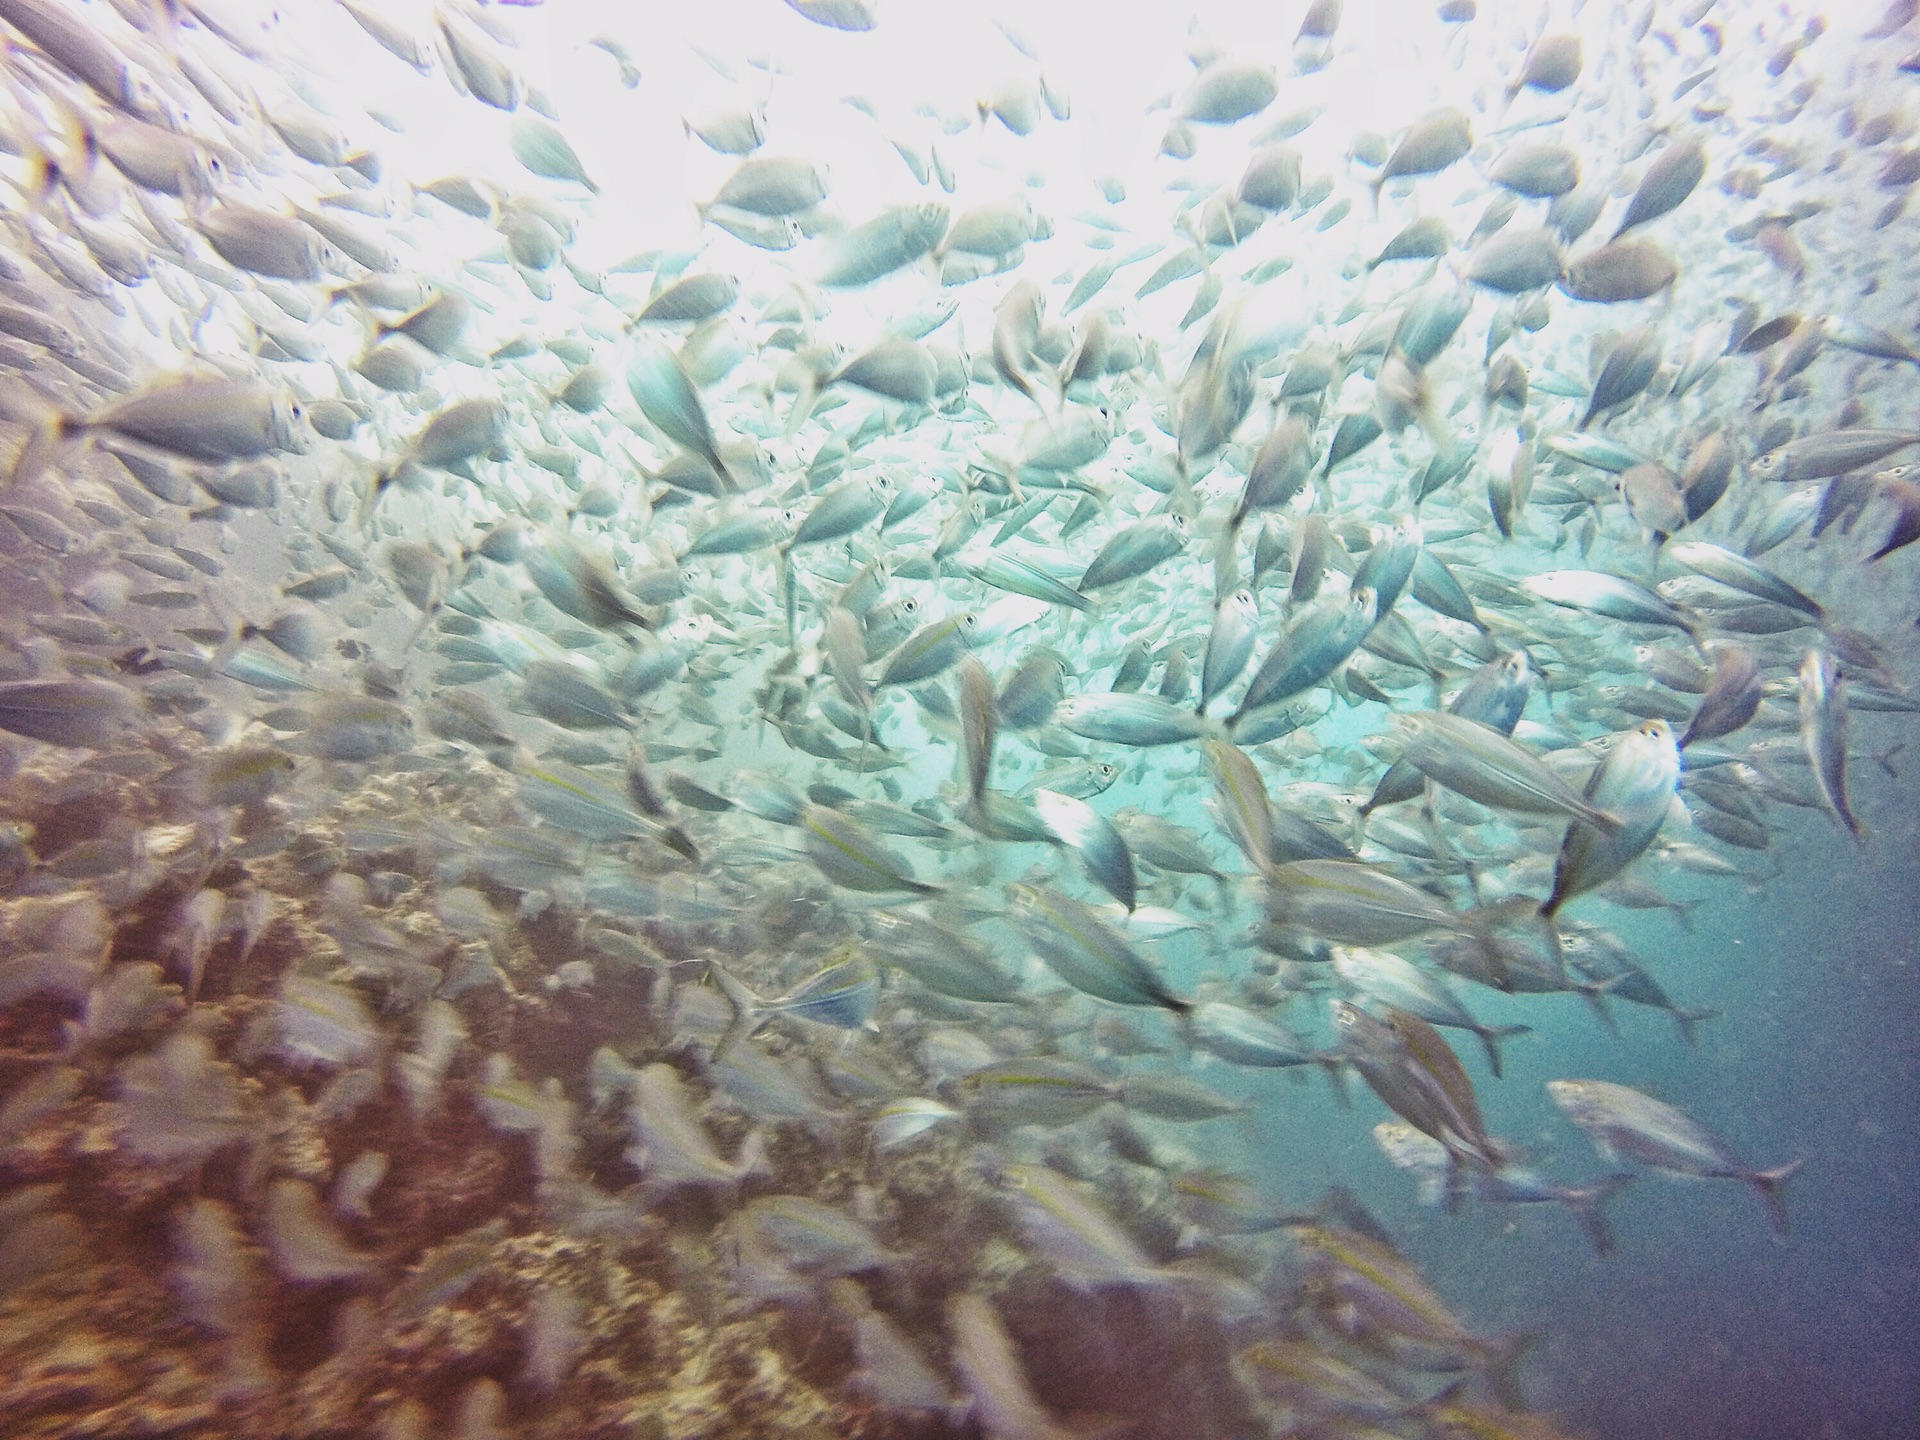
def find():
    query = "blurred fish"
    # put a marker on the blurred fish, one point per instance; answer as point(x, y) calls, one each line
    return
point(1623, 1123)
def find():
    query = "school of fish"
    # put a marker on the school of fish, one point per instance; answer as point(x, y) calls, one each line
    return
point(716, 832)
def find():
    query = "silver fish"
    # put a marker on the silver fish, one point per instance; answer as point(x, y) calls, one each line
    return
point(1823, 730)
point(1625, 1123)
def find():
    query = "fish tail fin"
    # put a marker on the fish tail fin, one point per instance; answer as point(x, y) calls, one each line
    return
point(1854, 827)
point(1333, 1064)
point(1687, 1019)
point(748, 1012)
point(752, 1159)
point(1060, 376)
point(1361, 814)
point(677, 840)
point(1772, 1187)
point(976, 783)
point(382, 479)
point(783, 578)
point(1586, 1203)
point(41, 178)
point(1224, 556)
point(1063, 373)
point(804, 399)
point(1433, 424)
point(166, 24)
point(1699, 639)
point(44, 173)
point(1500, 1359)
point(1554, 942)
point(1454, 1186)
point(866, 744)
point(48, 437)
point(1492, 1035)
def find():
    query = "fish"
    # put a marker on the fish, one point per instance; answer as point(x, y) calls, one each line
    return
point(1091, 836)
point(1515, 261)
point(1427, 1160)
point(1621, 270)
point(1479, 762)
point(1036, 1091)
point(1414, 1072)
point(1128, 719)
point(1067, 1228)
point(670, 1146)
point(1737, 571)
point(1823, 730)
point(1391, 981)
point(1133, 552)
point(1230, 645)
point(1086, 951)
point(842, 993)
point(1610, 595)
point(848, 854)
point(979, 725)
point(1636, 783)
point(1629, 367)
point(196, 418)
point(1431, 144)
point(781, 1236)
point(1833, 452)
point(543, 148)
point(891, 1368)
point(1552, 63)
point(992, 1374)
point(1378, 1283)
point(1623, 1122)
point(1241, 1037)
point(1351, 903)
point(85, 713)
point(1315, 643)
point(1668, 181)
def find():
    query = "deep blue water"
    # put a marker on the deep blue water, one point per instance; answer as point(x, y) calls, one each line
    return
point(1704, 1324)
